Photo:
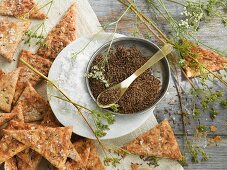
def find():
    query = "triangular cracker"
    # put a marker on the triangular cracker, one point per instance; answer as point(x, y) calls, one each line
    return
point(21, 8)
point(51, 143)
point(7, 89)
point(73, 154)
point(27, 75)
point(34, 106)
point(159, 142)
point(211, 60)
point(61, 35)
point(10, 164)
point(11, 34)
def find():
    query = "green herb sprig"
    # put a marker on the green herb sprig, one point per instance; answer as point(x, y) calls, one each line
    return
point(36, 34)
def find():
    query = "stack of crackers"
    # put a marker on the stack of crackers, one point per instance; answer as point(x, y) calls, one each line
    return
point(29, 130)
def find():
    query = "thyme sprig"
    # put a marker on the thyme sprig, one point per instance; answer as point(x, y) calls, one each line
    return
point(36, 34)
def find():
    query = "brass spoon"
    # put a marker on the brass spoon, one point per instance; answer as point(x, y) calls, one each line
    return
point(119, 89)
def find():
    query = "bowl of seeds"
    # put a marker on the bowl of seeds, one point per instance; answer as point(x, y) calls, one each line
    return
point(117, 60)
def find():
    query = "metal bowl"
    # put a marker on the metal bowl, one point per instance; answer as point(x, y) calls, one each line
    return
point(160, 70)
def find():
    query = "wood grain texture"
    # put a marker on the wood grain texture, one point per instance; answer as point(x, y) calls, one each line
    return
point(213, 34)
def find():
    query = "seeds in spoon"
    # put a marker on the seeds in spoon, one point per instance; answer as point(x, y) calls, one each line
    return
point(109, 96)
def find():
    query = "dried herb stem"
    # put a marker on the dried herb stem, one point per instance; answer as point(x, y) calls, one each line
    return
point(145, 18)
point(115, 29)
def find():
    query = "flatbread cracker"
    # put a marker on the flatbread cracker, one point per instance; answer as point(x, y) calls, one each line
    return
point(51, 143)
point(61, 35)
point(73, 154)
point(21, 8)
point(159, 142)
point(211, 60)
point(27, 75)
point(11, 34)
point(7, 89)
point(34, 106)
point(10, 164)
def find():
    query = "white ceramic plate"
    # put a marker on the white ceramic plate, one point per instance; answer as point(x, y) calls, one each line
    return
point(68, 73)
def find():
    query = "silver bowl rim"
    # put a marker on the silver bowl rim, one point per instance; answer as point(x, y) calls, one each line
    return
point(142, 41)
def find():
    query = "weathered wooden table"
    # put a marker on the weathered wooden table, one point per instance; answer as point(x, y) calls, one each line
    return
point(213, 34)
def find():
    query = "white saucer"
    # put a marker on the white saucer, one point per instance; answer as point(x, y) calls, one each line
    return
point(64, 70)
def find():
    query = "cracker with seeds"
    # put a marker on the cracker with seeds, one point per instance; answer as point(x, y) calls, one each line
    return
point(34, 106)
point(159, 142)
point(211, 60)
point(7, 89)
point(27, 75)
point(60, 36)
point(11, 34)
point(22, 9)
point(51, 143)
point(73, 154)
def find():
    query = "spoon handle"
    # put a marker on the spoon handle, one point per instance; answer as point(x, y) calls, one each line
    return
point(164, 51)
